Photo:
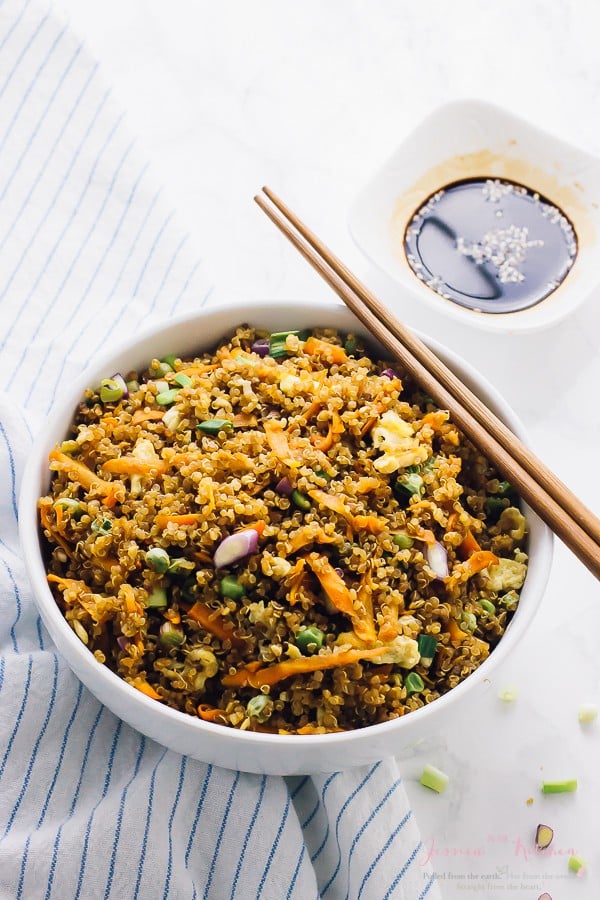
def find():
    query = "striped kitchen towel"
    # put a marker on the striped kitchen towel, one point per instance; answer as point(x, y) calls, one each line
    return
point(89, 808)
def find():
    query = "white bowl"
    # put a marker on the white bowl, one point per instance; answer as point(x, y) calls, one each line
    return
point(252, 752)
point(472, 139)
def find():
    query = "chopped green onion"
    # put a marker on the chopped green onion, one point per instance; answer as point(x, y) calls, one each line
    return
point(494, 507)
point(110, 390)
point(158, 560)
point(487, 606)
point(70, 447)
point(427, 648)
point(170, 360)
point(260, 707)
point(350, 345)
point(230, 587)
point(181, 566)
point(157, 599)
point(434, 778)
point(559, 787)
point(182, 379)
point(165, 398)
point(277, 345)
point(577, 864)
point(505, 488)
point(468, 622)
point(408, 485)
point(413, 683)
point(74, 507)
point(509, 600)
point(508, 694)
point(302, 501)
point(171, 635)
point(163, 368)
point(403, 541)
point(543, 836)
point(321, 473)
point(102, 527)
point(133, 386)
point(588, 712)
point(214, 426)
point(309, 640)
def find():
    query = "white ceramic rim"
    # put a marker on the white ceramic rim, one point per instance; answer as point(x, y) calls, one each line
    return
point(82, 661)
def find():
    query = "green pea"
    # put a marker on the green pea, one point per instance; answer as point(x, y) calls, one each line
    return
point(260, 708)
point(413, 683)
point(110, 390)
point(158, 559)
point(157, 599)
point(231, 588)
point(171, 635)
point(302, 501)
point(309, 640)
point(214, 426)
point(165, 398)
point(403, 541)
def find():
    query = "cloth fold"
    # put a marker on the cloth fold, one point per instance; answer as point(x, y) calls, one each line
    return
point(90, 250)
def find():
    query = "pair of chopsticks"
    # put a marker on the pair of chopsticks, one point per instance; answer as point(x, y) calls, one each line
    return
point(562, 511)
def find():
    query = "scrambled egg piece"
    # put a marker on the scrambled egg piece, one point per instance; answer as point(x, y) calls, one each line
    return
point(512, 521)
point(402, 651)
point(507, 574)
point(396, 439)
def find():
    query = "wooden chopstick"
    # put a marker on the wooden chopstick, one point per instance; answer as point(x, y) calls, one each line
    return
point(571, 521)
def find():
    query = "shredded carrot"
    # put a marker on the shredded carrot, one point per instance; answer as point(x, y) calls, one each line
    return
point(48, 526)
point(389, 627)
point(330, 353)
point(373, 420)
point(211, 621)
point(331, 501)
point(147, 415)
point(318, 729)
point(211, 713)
point(435, 420)
point(72, 583)
point(203, 557)
point(312, 410)
point(142, 685)
point(198, 370)
point(367, 484)
point(423, 534)
point(278, 442)
point(113, 492)
point(244, 420)
point(456, 633)
point(310, 535)
point(258, 526)
point(162, 519)
point(294, 581)
point(469, 545)
point(335, 428)
point(452, 520)
point(370, 524)
point(270, 675)
point(129, 465)
point(477, 561)
point(333, 584)
point(363, 622)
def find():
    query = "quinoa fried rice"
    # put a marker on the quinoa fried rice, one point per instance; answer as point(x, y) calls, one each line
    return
point(281, 536)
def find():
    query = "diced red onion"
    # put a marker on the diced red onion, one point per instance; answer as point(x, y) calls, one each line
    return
point(235, 547)
point(339, 572)
point(389, 373)
point(118, 378)
point(123, 642)
point(284, 486)
point(261, 346)
point(438, 559)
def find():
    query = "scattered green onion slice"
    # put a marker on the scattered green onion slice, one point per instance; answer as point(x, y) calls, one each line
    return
point(494, 506)
point(133, 386)
point(165, 398)
point(409, 484)
point(468, 622)
point(509, 600)
point(169, 360)
point(171, 635)
point(277, 346)
point(508, 694)
point(434, 778)
point(260, 707)
point(158, 560)
point(102, 527)
point(543, 836)
point(110, 390)
point(309, 640)
point(214, 426)
point(403, 541)
point(182, 379)
point(350, 344)
point(427, 648)
point(487, 606)
point(231, 588)
point(588, 712)
point(157, 599)
point(321, 473)
point(302, 501)
point(413, 683)
point(577, 864)
point(70, 505)
point(559, 787)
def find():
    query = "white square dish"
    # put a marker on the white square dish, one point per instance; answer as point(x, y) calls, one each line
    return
point(475, 140)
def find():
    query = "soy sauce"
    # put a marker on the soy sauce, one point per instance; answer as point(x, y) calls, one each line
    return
point(489, 245)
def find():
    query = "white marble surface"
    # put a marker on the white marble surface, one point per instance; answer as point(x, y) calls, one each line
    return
point(310, 98)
